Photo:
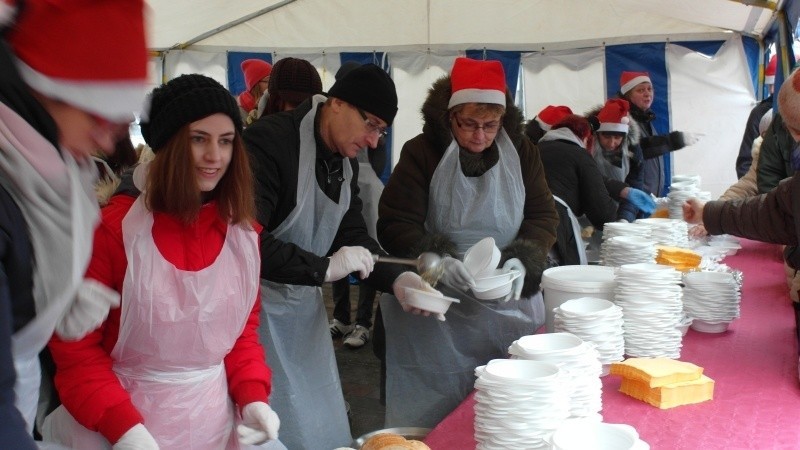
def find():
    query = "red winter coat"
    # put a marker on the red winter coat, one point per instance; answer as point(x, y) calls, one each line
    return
point(85, 381)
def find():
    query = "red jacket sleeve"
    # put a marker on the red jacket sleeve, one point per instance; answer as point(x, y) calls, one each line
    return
point(249, 377)
point(85, 381)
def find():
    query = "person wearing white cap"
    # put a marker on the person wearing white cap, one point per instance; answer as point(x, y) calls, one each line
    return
point(469, 175)
point(770, 217)
point(637, 88)
point(60, 101)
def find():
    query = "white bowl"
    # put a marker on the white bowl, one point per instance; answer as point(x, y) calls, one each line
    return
point(434, 302)
point(585, 305)
point(706, 327)
point(549, 343)
point(482, 257)
point(493, 293)
point(495, 278)
point(520, 370)
point(579, 434)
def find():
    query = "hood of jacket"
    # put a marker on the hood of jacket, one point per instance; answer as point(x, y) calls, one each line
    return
point(436, 125)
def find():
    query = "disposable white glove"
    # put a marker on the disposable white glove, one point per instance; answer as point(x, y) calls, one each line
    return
point(347, 260)
point(414, 281)
point(690, 138)
point(455, 274)
point(259, 424)
point(88, 310)
point(516, 287)
point(137, 438)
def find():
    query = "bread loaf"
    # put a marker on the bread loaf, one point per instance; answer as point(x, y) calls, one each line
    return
point(391, 441)
point(670, 395)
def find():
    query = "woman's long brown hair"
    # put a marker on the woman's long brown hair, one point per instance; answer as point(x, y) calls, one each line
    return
point(172, 183)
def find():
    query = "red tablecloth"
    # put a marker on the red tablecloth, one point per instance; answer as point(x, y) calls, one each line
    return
point(754, 364)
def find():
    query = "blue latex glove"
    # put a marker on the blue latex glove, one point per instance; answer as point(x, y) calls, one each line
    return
point(641, 200)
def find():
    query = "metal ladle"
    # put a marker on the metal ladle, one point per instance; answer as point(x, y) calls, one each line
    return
point(428, 265)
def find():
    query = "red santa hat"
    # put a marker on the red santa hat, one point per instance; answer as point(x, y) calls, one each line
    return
point(769, 72)
point(88, 53)
point(254, 71)
point(551, 115)
point(474, 81)
point(629, 80)
point(614, 116)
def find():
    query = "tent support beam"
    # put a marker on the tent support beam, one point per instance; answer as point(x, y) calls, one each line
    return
point(766, 4)
point(231, 24)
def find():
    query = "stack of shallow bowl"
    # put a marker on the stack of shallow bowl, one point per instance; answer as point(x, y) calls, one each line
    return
point(620, 250)
point(679, 192)
point(669, 232)
point(577, 359)
point(614, 229)
point(594, 320)
point(711, 299)
point(651, 299)
point(481, 261)
point(518, 403)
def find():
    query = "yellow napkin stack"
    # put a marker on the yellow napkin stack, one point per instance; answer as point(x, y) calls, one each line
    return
point(663, 382)
point(680, 258)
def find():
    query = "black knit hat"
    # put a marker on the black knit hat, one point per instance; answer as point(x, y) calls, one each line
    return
point(294, 80)
point(370, 88)
point(184, 100)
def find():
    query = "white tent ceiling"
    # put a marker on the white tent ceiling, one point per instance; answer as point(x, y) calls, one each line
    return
point(312, 26)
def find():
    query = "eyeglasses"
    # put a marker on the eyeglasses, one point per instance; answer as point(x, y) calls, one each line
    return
point(372, 127)
point(489, 127)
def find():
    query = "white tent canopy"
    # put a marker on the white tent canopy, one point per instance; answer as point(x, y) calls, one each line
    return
point(562, 45)
point(313, 26)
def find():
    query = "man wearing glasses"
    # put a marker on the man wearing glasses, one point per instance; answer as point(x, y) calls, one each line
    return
point(307, 201)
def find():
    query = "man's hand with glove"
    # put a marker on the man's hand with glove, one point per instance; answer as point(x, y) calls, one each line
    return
point(413, 281)
point(137, 438)
point(259, 424)
point(455, 274)
point(516, 287)
point(88, 311)
point(641, 200)
point(347, 260)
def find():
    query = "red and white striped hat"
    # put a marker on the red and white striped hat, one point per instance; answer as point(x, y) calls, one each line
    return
point(88, 53)
point(628, 80)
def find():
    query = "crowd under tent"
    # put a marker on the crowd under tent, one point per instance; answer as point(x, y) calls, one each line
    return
point(705, 57)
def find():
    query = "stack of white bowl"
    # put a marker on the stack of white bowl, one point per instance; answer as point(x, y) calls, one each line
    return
point(518, 403)
point(670, 232)
point(579, 434)
point(711, 299)
point(679, 192)
point(620, 250)
point(481, 261)
point(579, 362)
point(614, 229)
point(652, 309)
point(594, 320)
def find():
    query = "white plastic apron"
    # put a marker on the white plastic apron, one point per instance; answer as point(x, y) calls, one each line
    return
point(430, 364)
point(306, 391)
point(576, 229)
point(370, 189)
point(176, 327)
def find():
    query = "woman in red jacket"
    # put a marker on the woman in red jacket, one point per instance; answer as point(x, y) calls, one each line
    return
point(179, 363)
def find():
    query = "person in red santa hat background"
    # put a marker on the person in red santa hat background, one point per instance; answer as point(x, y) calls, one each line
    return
point(256, 80)
point(69, 85)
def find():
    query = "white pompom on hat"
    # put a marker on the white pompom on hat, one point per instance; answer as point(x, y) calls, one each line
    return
point(474, 81)
point(629, 80)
